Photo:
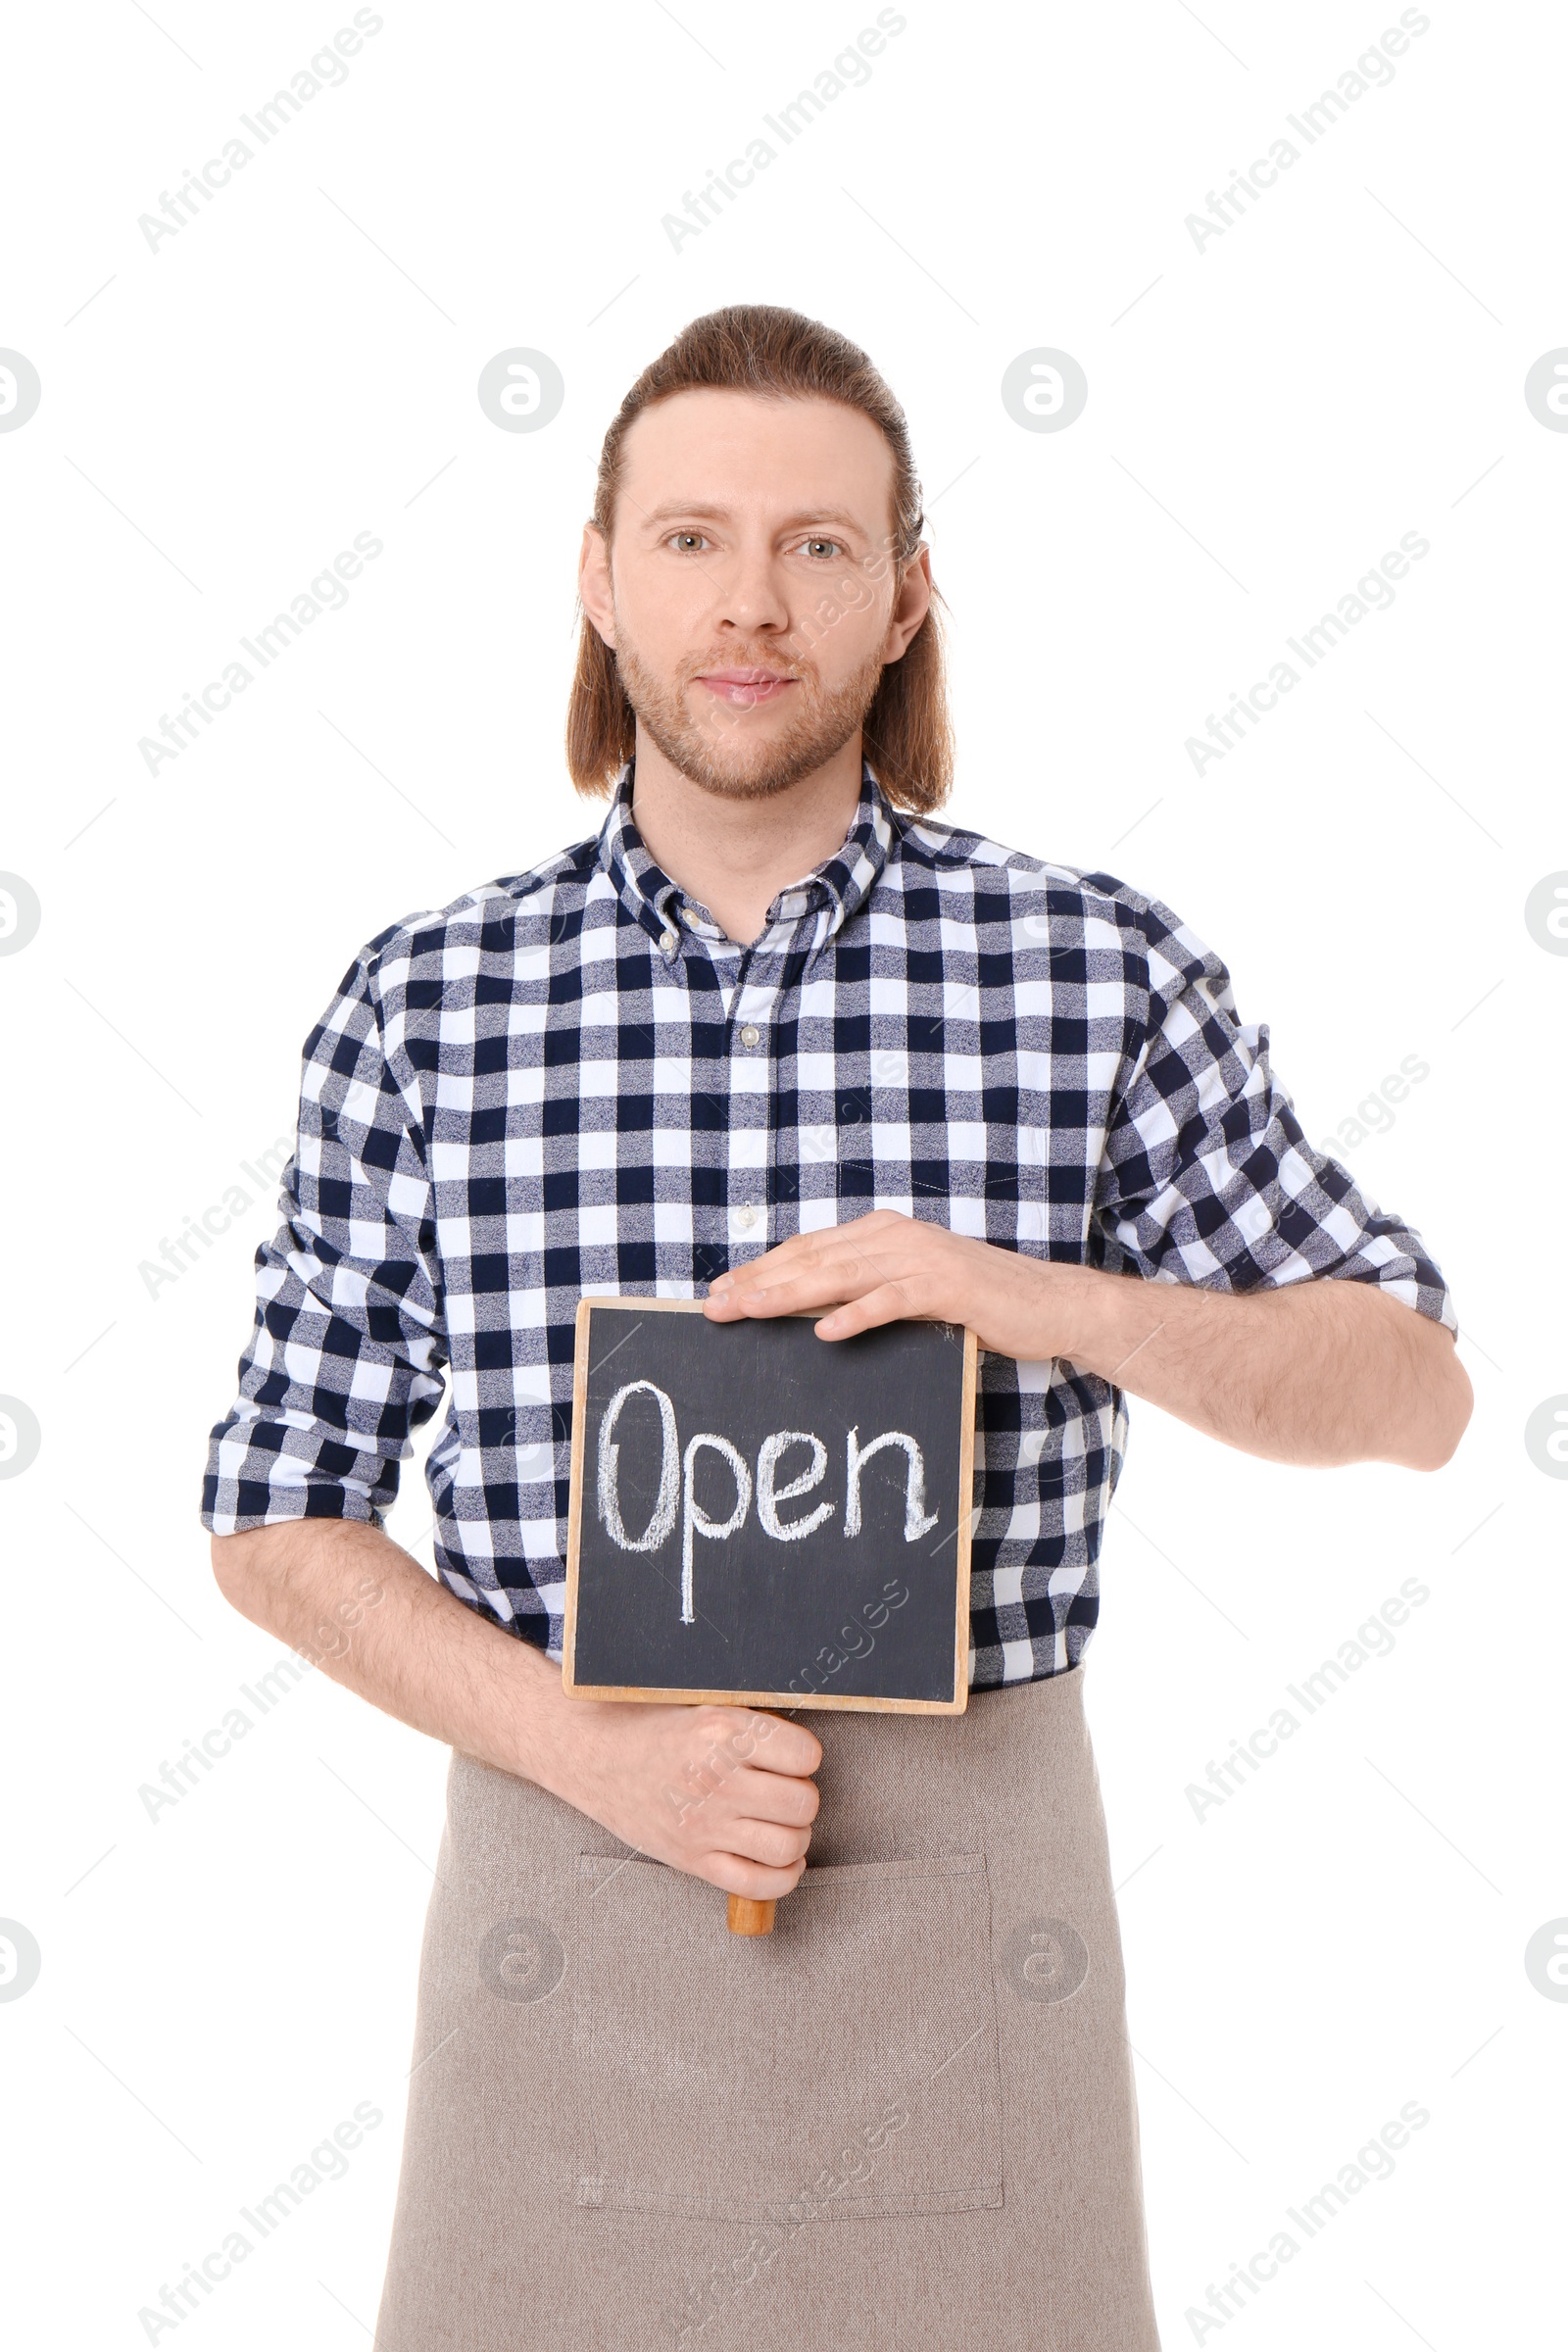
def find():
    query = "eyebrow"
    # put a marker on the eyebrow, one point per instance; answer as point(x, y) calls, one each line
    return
point(698, 513)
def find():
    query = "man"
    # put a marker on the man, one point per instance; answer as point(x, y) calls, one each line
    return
point(778, 1039)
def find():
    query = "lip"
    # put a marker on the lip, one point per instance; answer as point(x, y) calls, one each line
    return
point(745, 687)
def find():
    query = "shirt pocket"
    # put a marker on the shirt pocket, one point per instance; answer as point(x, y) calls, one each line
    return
point(844, 2064)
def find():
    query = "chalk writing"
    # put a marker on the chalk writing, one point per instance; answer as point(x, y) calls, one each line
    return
point(694, 1520)
point(677, 1487)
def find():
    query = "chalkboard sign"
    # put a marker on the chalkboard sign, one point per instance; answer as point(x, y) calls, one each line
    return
point(761, 1517)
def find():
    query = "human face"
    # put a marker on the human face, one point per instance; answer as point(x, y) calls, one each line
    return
point(750, 590)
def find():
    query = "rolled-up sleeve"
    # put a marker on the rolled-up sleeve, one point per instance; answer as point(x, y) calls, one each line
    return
point(346, 1352)
point(1206, 1177)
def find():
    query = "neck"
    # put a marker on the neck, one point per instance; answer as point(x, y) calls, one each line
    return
point(734, 857)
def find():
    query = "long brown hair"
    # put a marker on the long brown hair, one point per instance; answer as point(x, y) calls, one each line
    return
point(779, 355)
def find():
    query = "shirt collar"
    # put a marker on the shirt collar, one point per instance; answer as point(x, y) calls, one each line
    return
point(836, 890)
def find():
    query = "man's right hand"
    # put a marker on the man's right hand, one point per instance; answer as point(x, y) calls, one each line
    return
point(725, 1794)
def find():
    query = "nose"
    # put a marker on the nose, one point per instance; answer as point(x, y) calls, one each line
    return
point(749, 599)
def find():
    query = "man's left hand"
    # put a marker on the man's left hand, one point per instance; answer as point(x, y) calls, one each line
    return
point(886, 1268)
point(1311, 1372)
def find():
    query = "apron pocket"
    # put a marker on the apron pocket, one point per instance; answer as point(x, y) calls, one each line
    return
point(844, 2065)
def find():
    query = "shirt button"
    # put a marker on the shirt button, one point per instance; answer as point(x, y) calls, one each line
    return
point(666, 940)
point(746, 1218)
point(748, 1035)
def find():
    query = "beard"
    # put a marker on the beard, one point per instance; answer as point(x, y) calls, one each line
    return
point(720, 753)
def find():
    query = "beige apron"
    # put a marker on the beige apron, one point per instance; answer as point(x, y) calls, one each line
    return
point(904, 2119)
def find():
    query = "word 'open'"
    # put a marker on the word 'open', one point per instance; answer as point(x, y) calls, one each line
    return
point(677, 1479)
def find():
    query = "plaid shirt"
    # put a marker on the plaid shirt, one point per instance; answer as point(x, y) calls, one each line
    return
point(570, 1081)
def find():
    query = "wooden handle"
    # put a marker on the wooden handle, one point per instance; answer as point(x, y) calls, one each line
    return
point(748, 1918)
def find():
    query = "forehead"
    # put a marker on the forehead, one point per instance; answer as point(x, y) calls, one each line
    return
point(741, 453)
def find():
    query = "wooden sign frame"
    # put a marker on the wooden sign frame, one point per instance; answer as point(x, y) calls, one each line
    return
point(787, 1699)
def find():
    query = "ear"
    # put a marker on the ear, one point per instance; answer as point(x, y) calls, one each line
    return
point(594, 582)
point(910, 606)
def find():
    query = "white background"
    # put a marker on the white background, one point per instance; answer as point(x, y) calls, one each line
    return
point(1266, 416)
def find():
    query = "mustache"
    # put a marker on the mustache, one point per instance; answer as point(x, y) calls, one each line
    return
point(734, 657)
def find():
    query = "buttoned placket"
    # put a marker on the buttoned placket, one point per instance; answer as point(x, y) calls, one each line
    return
point(752, 1010)
point(750, 986)
point(749, 981)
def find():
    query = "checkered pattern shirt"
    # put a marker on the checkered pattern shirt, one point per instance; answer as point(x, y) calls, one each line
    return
point(571, 1081)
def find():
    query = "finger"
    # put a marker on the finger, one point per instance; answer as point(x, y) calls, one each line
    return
point(722, 1306)
point(788, 1802)
point(779, 1745)
point(842, 1285)
point(834, 1270)
point(734, 1874)
point(810, 1248)
point(772, 1843)
point(797, 1294)
point(790, 1257)
point(796, 1244)
point(725, 1294)
point(890, 1303)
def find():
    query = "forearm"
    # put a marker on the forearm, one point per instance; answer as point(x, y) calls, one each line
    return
point(1319, 1373)
point(353, 1602)
point(720, 1793)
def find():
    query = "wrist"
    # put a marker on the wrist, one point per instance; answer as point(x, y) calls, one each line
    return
point(544, 1724)
point(1094, 1319)
point(1061, 1307)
